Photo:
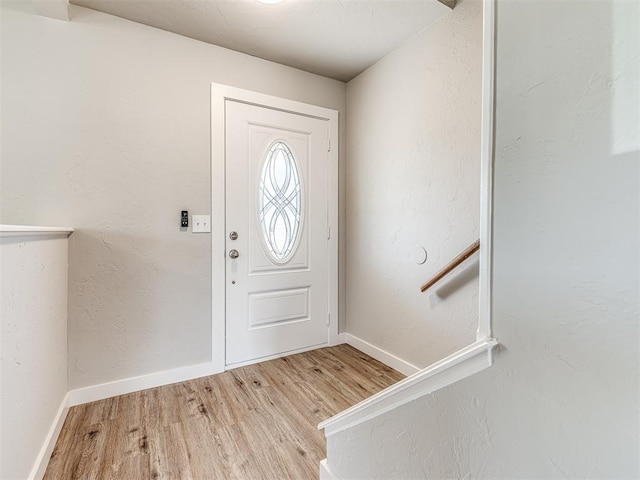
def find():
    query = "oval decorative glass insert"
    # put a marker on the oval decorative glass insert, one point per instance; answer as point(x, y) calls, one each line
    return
point(280, 202)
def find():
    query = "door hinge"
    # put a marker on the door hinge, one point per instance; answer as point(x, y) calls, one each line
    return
point(328, 144)
point(328, 319)
point(328, 233)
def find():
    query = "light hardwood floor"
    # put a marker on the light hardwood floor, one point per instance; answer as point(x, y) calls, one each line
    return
point(255, 422)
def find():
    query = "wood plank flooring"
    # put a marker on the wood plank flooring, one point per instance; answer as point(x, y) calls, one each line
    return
point(255, 422)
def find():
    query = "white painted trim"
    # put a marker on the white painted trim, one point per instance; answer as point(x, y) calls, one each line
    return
point(486, 170)
point(42, 460)
point(333, 213)
point(218, 242)
point(383, 356)
point(325, 471)
point(472, 359)
point(219, 95)
point(134, 384)
point(33, 231)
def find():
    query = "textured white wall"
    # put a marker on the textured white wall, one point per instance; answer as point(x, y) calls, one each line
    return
point(561, 400)
point(33, 349)
point(106, 127)
point(413, 179)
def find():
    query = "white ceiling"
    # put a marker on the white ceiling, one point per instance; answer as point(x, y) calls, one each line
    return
point(334, 38)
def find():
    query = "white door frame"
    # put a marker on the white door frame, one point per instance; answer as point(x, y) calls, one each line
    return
point(219, 95)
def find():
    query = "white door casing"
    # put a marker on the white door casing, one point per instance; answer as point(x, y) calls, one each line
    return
point(276, 305)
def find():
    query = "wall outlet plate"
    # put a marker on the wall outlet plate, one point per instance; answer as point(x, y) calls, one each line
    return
point(201, 223)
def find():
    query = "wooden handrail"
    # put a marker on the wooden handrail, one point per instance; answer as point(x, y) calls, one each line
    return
point(470, 250)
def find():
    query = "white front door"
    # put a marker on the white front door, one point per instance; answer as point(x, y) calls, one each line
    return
point(277, 263)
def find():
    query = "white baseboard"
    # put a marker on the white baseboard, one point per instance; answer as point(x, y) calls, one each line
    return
point(142, 382)
point(167, 377)
point(42, 460)
point(325, 471)
point(387, 358)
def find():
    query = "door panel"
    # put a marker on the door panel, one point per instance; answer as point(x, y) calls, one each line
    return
point(276, 201)
point(278, 307)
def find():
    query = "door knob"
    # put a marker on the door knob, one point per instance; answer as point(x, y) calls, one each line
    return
point(233, 253)
point(233, 235)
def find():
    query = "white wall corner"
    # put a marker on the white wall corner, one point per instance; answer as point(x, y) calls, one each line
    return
point(337, 339)
point(325, 471)
point(57, 9)
point(42, 460)
point(381, 355)
point(142, 382)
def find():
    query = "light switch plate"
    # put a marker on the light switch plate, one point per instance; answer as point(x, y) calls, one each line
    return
point(201, 223)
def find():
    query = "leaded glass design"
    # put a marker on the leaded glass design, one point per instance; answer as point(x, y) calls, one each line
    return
point(280, 202)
